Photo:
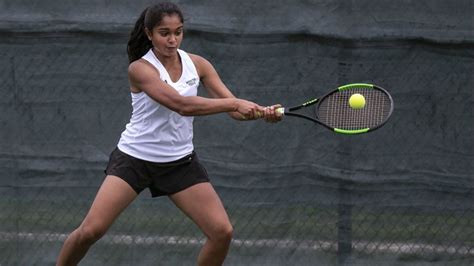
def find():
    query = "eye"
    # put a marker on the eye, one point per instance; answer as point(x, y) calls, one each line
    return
point(163, 33)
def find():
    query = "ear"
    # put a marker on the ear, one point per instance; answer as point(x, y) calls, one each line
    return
point(148, 33)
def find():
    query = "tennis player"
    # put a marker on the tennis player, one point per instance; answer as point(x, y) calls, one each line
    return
point(155, 150)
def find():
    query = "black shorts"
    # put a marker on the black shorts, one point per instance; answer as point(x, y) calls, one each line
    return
point(161, 178)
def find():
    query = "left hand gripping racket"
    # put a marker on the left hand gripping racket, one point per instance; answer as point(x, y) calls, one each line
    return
point(335, 113)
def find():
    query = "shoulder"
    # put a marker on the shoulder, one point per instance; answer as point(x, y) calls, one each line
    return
point(141, 69)
point(202, 65)
point(198, 60)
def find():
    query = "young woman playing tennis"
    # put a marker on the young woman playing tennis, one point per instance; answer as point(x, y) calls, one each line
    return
point(155, 150)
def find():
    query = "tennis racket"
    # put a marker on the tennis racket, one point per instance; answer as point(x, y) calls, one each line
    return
point(334, 112)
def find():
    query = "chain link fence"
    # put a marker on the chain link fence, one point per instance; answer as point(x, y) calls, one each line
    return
point(296, 193)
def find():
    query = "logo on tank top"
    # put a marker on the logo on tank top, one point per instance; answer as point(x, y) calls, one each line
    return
point(191, 82)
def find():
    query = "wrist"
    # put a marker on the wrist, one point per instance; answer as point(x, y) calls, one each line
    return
point(235, 105)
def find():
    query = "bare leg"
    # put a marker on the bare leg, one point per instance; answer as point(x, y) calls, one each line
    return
point(202, 204)
point(113, 197)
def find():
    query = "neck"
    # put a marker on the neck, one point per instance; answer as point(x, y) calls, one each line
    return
point(167, 60)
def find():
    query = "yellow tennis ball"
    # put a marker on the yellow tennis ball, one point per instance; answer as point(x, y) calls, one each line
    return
point(357, 101)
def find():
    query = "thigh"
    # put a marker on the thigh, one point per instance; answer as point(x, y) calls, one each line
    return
point(112, 198)
point(202, 204)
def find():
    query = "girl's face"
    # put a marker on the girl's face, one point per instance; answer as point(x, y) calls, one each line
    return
point(167, 36)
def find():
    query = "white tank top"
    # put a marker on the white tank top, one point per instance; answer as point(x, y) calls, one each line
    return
point(156, 133)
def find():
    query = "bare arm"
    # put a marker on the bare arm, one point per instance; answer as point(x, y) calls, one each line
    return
point(217, 89)
point(144, 77)
point(210, 78)
point(212, 82)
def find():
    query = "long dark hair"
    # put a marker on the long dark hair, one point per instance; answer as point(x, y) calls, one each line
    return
point(138, 43)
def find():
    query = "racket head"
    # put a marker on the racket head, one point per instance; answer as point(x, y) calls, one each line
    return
point(334, 111)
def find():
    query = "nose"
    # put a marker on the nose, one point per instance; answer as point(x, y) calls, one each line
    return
point(172, 38)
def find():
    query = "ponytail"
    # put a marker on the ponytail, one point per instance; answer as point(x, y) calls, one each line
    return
point(138, 43)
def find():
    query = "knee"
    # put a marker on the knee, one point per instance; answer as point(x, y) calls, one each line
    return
point(223, 233)
point(90, 234)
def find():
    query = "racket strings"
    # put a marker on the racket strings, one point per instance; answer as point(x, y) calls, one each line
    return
point(335, 111)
